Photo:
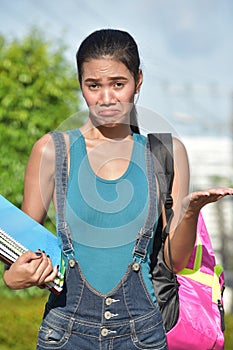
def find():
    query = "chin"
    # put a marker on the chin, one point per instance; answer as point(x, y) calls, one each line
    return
point(109, 125)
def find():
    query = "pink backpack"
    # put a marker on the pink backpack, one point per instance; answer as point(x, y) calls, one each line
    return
point(191, 301)
point(200, 324)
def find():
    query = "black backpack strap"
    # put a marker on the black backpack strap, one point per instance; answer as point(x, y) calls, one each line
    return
point(166, 285)
point(162, 153)
point(147, 231)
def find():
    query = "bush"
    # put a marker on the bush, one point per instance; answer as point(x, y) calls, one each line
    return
point(39, 90)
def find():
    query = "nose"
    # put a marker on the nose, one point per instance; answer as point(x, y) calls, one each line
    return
point(107, 96)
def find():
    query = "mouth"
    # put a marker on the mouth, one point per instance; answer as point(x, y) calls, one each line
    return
point(109, 112)
point(108, 115)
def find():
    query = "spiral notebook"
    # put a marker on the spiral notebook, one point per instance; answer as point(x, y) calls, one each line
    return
point(19, 233)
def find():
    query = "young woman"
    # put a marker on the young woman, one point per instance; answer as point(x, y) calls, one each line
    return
point(106, 303)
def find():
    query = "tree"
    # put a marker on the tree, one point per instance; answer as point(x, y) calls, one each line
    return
point(38, 90)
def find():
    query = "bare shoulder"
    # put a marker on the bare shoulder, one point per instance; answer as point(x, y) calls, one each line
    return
point(178, 145)
point(179, 150)
point(45, 146)
point(181, 168)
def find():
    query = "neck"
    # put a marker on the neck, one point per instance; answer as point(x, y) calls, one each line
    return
point(118, 131)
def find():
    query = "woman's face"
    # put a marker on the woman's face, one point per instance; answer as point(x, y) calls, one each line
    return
point(108, 88)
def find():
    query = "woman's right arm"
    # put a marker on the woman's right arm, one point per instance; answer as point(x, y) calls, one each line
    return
point(35, 269)
point(39, 179)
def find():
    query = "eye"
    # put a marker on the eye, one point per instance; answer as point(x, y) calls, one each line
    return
point(93, 86)
point(118, 84)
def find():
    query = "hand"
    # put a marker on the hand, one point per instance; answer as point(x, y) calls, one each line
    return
point(30, 269)
point(193, 203)
point(184, 236)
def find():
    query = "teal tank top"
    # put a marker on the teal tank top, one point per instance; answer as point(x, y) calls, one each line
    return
point(105, 216)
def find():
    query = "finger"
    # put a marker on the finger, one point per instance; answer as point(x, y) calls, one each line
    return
point(217, 194)
point(52, 275)
point(35, 267)
point(228, 191)
point(44, 269)
point(222, 190)
point(28, 256)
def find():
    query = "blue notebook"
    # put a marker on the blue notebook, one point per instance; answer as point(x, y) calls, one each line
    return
point(19, 233)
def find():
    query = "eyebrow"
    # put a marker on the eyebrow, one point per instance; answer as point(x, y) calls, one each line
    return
point(111, 79)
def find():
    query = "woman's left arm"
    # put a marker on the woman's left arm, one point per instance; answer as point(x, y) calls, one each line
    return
point(186, 209)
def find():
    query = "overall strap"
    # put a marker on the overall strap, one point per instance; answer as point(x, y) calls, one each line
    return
point(61, 176)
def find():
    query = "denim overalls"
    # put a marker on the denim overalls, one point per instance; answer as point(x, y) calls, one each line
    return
point(82, 318)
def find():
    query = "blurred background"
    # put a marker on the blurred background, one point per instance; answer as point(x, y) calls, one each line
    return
point(186, 50)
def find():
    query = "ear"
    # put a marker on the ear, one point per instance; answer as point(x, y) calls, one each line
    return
point(139, 82)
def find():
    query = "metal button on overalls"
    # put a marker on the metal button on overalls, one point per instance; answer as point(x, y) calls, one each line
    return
point(104, 332)
point(108, 301)
point(107, 315)
point(136, 266)
point(72, 262)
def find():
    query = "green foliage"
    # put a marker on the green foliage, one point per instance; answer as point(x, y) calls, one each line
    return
point(38, 90)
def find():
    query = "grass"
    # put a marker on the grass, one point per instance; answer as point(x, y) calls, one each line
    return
point(20, 320)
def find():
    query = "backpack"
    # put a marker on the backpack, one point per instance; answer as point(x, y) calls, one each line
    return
point(191, 301)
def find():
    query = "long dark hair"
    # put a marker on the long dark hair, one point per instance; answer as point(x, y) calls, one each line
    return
point(115, 43)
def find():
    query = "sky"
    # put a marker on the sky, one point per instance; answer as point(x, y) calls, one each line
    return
point(186, 50)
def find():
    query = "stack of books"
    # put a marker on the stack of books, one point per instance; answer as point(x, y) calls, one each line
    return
point(20, 233)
